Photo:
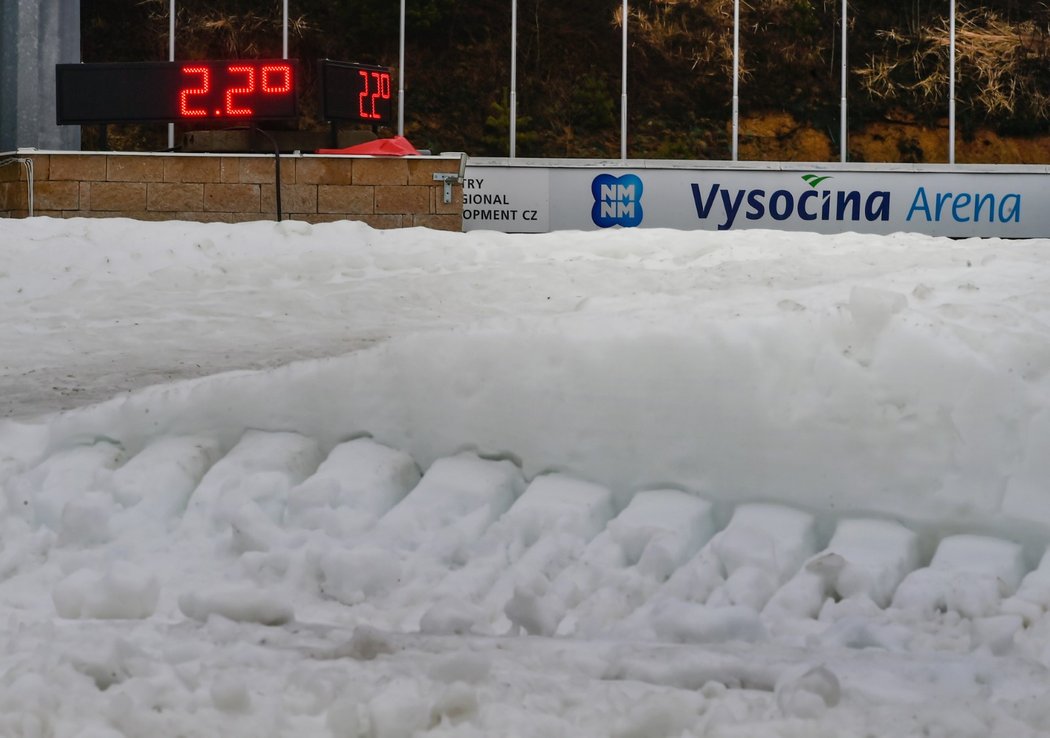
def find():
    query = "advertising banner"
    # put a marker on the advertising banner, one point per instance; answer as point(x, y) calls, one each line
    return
point(511, 201)
point(960, 203)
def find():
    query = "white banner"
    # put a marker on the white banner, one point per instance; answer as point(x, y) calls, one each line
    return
point(979, 202)
point(511, 201)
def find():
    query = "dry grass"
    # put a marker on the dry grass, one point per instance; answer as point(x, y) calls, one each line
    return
point(1000, 66)
point(695, 34)
point(237, 36)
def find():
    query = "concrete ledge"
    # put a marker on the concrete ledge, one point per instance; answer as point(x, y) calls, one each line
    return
point(386, 192)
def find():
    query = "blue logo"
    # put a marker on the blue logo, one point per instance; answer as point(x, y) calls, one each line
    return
point(617, 201)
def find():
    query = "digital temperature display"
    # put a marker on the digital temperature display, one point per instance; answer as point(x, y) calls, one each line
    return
point(356, 92)
point(236, 90)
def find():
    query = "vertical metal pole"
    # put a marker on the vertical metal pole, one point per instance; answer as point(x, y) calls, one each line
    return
point(513, 78)
point(623, 88)
point(284, 30)
point(171, 58)
point(843, 132)
point(736, 78)
point(401, 75)
point(951, 84)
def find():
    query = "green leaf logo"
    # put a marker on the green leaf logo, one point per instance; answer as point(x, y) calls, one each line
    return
point(813, 180)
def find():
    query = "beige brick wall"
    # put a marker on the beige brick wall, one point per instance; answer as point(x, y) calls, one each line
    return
point(385, 192)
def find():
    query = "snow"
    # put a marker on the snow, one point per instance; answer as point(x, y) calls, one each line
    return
point(288, 479)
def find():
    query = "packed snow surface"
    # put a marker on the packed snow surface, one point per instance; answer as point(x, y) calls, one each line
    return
point(320, 480)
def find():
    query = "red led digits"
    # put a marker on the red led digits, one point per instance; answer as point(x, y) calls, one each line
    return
point(184, 94)
point(248, 88)
point(284, 72)
point(239, 91)
point(364, 94)
point(380, 91)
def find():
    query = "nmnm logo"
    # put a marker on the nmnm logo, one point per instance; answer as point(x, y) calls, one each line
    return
point(617, 200)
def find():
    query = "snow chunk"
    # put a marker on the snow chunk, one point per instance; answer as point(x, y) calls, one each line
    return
point(548, 528)
point(876, 555)
point(969, 575)
point(456, 704)
point(528, 610)
point(453, 504)
point(558, 503)
point(772, 538)
point(86, 520)
point(809, 694)
point(399, 710)
point(660, 529)
point(671, 714)
point(996, 633)
point(865, 558)
point(359, 481)
point(981, 555)
point(239, 603)
point(158, 481)
point(1032, 598)
point(260, 470)
point(638, 551)
point(450, 617)
point(42, 493)
point(122, 592)
point(353, 575)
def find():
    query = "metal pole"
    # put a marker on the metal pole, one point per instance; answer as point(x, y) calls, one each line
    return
point(843, 132)
point(513, 78)
point(623, 88)
point(171, 58)
point(736, 78)
point(401, 75)
point(951, 84)
point(284, 31)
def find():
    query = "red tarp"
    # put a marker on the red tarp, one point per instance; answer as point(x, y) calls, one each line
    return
point(396, 146)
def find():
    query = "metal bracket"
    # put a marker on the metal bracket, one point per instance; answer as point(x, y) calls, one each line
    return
point(450, 179)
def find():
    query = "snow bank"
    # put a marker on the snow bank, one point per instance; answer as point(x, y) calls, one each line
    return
point(751, 483)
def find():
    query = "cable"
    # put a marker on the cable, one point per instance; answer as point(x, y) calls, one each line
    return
point(27, 164)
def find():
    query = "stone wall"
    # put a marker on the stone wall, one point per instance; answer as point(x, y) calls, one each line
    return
point(385, 192)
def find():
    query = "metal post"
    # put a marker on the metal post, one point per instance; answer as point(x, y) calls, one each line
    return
point(513, 78)
point(843, 132)
point(623, 88)
point(736, 78)
point(284, 30)
point(951, 84)
point(401, 75)
point(171, 58)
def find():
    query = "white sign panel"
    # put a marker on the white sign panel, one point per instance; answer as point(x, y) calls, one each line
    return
point(944, 203)
point(518, 203)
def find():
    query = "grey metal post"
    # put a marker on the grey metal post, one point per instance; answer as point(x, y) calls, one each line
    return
point(736, 78)
point(951, 85)
point(284, 30)
point(171, 58)
point(843, 132)
point(401, 74)
point(623, 88)
point(513, 78)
